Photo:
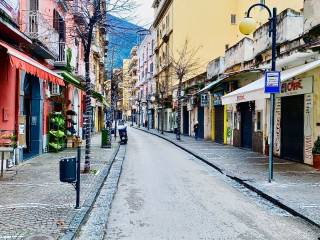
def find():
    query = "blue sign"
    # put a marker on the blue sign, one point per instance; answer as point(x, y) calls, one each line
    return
point(272, 82)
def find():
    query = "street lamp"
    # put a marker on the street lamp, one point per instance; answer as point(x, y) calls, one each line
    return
point(246, 27)
point(150, 99)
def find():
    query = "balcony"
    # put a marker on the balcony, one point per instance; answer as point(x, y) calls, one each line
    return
point(215, 67)
point(289, 27)
point(62, 59)
point(312, 17)
point(238, 53)
point(38, 28)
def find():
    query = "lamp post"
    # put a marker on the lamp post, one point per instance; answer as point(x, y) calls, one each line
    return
point(150, 99)
point(247, 26)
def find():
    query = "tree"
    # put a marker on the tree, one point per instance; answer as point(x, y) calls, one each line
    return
point(162, 88)
point(88, 15)
point(184, 65)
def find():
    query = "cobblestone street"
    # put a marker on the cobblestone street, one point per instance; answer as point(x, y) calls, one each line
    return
point(34, 202)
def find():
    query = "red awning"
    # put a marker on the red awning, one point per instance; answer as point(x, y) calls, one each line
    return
point(22, 61)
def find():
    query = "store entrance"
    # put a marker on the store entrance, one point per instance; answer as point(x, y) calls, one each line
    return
point(246, 126)
point(219, 124)
point(292, 127)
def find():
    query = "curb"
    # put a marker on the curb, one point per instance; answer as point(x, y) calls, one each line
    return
point(95, 225)
point(80, 216)
point(240, 181)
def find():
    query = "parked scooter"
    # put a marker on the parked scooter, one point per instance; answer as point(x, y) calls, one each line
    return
point(123, 134)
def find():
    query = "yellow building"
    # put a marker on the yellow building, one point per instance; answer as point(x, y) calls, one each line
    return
point(126, 89)
point(97, 75)
point(211, 26)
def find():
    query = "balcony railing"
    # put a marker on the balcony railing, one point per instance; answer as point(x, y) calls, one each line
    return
point(36, 26)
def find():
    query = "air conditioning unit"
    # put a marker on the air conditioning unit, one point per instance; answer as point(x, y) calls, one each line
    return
point(55, 90)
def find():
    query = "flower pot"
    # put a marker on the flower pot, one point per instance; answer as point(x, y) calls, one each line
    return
point(316, 161)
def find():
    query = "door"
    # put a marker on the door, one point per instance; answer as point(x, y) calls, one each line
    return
point(219, 124)
point(185, 121)
point(292, 127)
point(246, 126)
point(201, 121)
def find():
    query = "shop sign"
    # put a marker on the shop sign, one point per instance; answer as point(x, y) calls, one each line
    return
point(217, 101)
point(204, 100)
point(241, 98)
point(11, 8)
point(297, 86)
point(272, 82)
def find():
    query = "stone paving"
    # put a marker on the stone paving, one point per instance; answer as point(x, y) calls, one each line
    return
point(34, 202)
point(296, 185)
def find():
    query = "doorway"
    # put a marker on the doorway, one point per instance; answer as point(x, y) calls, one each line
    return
point(246, 126)
point(201, 121)
point(219, 124)
point(292, 128)
point(185, 120)
point(32, 109)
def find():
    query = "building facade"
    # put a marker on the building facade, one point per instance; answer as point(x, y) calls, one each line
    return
point(44, 66)
point(175, 23)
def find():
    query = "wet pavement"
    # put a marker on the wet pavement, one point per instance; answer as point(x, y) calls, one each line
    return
point(33, 202)
point(166, 193)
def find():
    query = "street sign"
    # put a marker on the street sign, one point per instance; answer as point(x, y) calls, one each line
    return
point(272, 82)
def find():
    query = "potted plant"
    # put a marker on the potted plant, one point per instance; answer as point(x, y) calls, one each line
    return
point(316, 153)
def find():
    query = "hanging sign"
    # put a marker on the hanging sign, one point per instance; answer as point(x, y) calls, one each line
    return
point(217, 98)
point(204, 100)
point(272, 82)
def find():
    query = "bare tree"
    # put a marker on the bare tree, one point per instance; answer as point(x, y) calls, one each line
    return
point(185, 65)
point(90, 14)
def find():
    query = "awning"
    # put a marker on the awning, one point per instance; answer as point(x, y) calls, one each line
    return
point(230, 76)
point(22, 61)
point(211, 85)
point(255, 90)
point(70, 78)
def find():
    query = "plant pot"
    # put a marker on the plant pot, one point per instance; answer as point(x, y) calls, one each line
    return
point(316, 161)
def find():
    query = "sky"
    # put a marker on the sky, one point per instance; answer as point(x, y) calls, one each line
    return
point(144, 13)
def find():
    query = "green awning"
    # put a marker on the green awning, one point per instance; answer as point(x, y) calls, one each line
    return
point(70, 78)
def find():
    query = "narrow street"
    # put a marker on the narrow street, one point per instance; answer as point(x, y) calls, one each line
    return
point(164, 193)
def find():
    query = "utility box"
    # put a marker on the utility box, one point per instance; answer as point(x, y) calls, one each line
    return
point(68, 170)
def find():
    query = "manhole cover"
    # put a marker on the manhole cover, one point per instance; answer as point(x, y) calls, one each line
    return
point(40, 237)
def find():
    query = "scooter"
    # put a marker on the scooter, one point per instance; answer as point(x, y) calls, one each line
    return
point(123, 134)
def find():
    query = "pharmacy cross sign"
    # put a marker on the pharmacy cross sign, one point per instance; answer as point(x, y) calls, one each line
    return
point(272, 82)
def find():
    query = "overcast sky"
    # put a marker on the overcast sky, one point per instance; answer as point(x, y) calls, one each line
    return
point(144, 13)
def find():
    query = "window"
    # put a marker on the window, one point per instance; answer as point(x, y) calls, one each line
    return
point(151, 68)
point(167, 21)
point(262, 2)
point(226, 46)
point(233, 19)
point(259, 121)
point(152, 47)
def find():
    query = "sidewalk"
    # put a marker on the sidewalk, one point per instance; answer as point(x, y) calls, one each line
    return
point(34, 202)
point(296, 186)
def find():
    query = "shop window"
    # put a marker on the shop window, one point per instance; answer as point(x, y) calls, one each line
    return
point(258, 121)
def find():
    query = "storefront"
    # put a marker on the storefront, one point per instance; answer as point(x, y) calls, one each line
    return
point(294, 120)
point(295, 126)
point(24, 113)
point(218, 113)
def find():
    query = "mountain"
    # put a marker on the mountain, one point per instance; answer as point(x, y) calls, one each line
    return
point(122, 35)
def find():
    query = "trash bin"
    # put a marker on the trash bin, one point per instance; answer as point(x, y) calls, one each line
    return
point(68, 169)
point(105, 138)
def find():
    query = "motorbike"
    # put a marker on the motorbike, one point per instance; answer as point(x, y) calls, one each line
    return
point(123, 134)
